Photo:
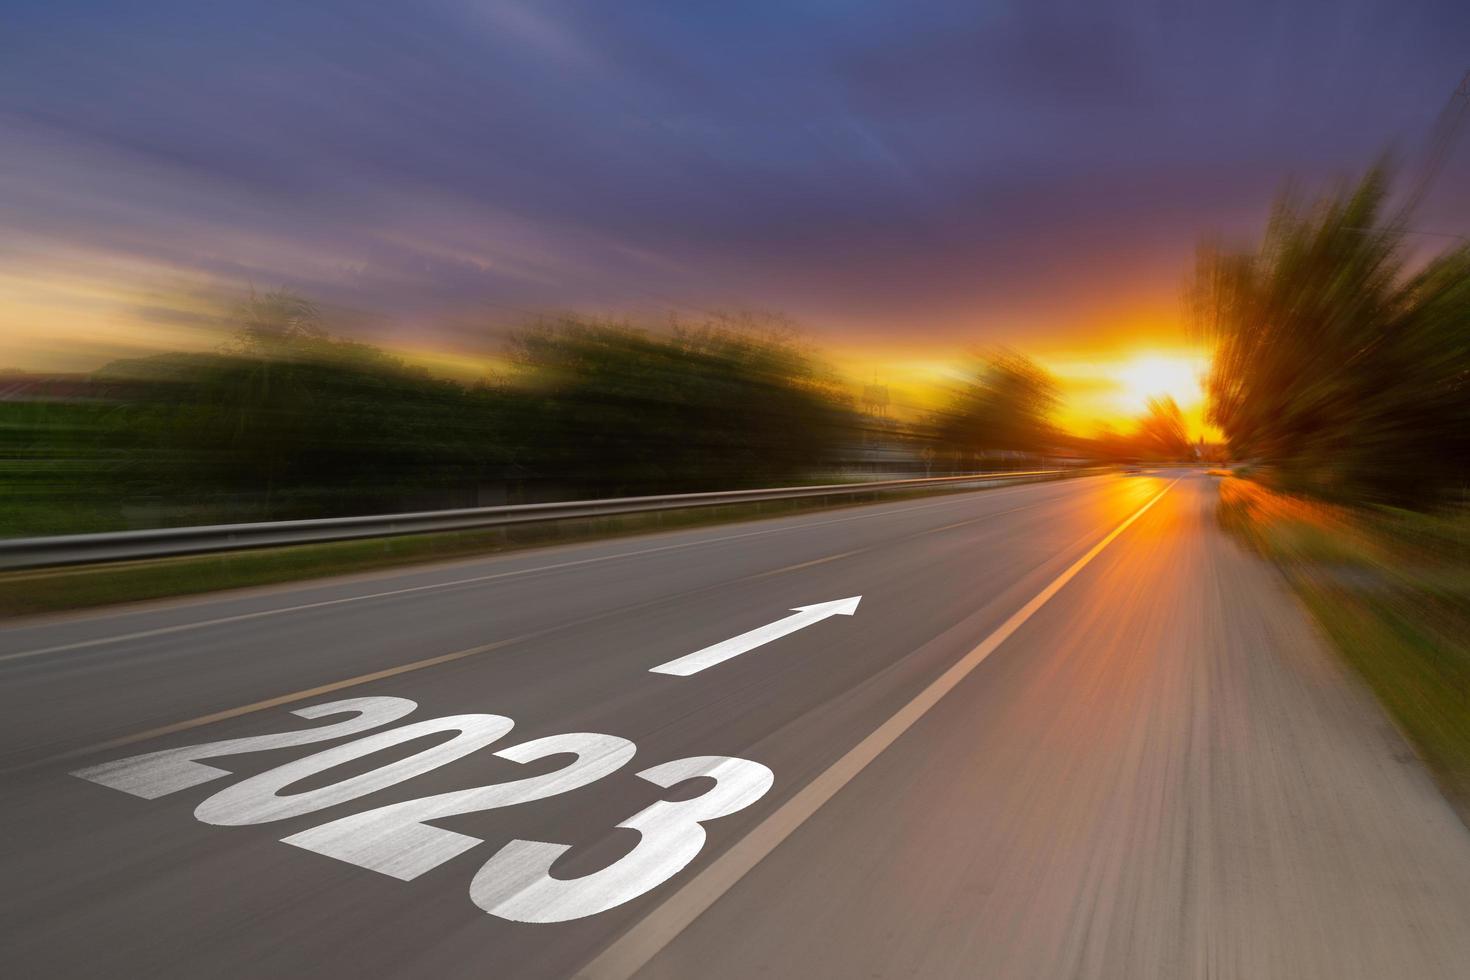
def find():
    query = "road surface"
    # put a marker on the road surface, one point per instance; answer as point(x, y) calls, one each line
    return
point(1068, 730)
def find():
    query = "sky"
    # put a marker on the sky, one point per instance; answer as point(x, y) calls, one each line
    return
point(905, 179)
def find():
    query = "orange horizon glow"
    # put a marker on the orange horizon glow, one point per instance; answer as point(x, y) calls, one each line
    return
point(1098, 389)
point(1115, 391)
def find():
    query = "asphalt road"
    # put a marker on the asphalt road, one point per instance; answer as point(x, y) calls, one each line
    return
point(1069, 730)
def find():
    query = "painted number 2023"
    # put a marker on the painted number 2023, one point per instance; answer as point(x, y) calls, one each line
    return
point(516, 882)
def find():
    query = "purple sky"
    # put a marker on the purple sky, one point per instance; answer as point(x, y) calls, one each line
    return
point(915, 173)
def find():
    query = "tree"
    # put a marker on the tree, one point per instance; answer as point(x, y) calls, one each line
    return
point(1004, 405)
point(1162, 434)
point(1335, 363)
point(719, 404)
point(276, 319)
point(286, 420)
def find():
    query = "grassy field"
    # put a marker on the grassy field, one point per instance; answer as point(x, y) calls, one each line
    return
point(1392, 590)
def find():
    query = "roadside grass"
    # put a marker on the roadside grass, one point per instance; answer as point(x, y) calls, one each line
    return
point(1391, 589)
point(56, 590)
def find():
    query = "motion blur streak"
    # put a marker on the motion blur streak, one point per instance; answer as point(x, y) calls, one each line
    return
point(293, 261)
point(1105, 795)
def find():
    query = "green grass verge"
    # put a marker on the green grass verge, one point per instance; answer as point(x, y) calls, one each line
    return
point(1391, 590)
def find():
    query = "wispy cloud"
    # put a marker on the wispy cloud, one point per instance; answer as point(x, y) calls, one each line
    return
point(938, 171)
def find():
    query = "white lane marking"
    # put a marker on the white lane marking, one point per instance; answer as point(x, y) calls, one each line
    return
point(156, 774)
point(718, 653)
point(259, 799)
point(182, 726)
point(807, 564)
point(517, 884)
point(632, 950)
point(378, 675)
point(961, 497)
point(397, 840)
point(254, 706)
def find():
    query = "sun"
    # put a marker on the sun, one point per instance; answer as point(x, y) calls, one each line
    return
point(1149, 376)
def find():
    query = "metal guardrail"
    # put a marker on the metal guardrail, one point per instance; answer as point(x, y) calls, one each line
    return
point(86, 549)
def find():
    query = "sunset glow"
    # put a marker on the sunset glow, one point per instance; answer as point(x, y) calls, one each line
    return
point(1099, 389)
point(1148, 376)
point(735, 378)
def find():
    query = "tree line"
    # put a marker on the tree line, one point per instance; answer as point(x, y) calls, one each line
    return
point(287, 421)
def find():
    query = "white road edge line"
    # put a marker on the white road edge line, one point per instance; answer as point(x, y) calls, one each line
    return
point(199, 624)
point(377, 675)
point(631, 951)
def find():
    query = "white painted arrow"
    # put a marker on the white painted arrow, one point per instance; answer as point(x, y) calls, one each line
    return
point(804, 616)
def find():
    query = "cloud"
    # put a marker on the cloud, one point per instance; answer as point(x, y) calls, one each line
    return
point(940, 170)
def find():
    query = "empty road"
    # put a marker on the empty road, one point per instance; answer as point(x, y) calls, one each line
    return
point(1055, 730)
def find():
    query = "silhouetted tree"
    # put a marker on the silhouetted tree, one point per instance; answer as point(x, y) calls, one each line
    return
point(1335, 363)
point(1162, 434)
point(619, 409)
point(286, 420)
point(1004, 405)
